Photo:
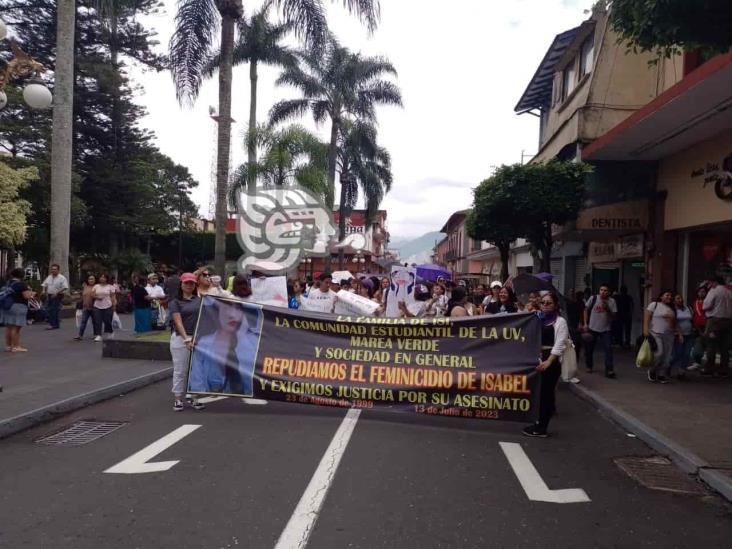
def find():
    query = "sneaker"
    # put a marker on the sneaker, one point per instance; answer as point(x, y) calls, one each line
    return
point(610, 375)
point(652, 376)
point(663, 379)
point(97, 338)
point(695, 366)
point(197, 405)
point(77, 338)
point(534, 431)
point(178, 406)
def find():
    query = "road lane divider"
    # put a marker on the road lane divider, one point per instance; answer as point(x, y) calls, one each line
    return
point(139, 462)
point(531, 481)
point(303, 519)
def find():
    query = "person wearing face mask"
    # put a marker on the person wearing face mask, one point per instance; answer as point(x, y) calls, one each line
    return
point(554, 336)
point(223, 361)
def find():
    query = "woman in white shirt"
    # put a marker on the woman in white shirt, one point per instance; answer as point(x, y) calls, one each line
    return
point(659, 322)
point(554, 337)
point(103, 308)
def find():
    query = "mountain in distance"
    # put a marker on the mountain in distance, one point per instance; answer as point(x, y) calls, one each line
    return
point(416, 250)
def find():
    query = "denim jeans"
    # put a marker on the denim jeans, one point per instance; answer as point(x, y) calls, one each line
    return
point(681, 357)
point(86, 315)
point(53, 306)
point(606, 342)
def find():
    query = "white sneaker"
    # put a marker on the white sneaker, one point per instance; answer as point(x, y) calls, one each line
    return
point(98, 338)
point(695, 366)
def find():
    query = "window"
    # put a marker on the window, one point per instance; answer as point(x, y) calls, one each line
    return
point(569, 80)
point(587, 56)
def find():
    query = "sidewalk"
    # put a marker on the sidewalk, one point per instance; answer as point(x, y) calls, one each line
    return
point(689, 421)
point(59, 375)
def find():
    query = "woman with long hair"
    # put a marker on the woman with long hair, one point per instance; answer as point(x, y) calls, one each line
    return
point(681, 356)
point(242, 289)
point(506, 303)
point(458, 304)
point(437, 304)
point(184, 315)
point(659, 322)
point(87, 306)
point(16, 316)
point(103, 308)
point(294, 294)
point(554, 336)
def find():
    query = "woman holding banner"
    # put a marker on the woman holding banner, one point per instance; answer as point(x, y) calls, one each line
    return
point(554, 336)
point(184, 314)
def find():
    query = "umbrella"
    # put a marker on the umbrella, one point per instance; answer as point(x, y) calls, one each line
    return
point(523, 284)
point(431, 272)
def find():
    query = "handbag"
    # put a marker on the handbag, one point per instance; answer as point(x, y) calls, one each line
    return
point(569, 361)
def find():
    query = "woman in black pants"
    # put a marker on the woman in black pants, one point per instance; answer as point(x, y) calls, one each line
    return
point(554, 336)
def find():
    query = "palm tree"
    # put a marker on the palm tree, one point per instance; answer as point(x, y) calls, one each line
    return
point(62, 133)
point(197, 25)
point(339, 85)
point(363, 165)
point(290, 155)
point(259, 42)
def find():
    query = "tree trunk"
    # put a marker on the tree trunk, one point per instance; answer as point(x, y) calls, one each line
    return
point(62, 134)
point(117, 81)
point(342, 224)
point(504, 250)
point(251, 144)
point(223, 141)
point(330, 187)
point(546, 252)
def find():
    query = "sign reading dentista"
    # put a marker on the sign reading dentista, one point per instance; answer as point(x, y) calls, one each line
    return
point(631, 216)
point(482, 367)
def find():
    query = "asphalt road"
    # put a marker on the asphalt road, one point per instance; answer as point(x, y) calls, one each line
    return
point(402, 481)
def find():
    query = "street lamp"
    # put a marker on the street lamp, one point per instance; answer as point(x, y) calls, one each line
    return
point(35, 93)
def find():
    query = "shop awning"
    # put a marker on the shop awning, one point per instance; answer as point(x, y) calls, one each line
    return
point(694, 109)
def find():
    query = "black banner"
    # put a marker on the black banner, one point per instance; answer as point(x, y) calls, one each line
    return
point(478, 367)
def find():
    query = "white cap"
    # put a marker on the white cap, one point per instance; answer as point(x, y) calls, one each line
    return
point(496, 284)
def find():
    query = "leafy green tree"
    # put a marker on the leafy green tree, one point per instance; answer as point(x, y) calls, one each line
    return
point(289, 155)
point(338, 85)
point(528, 200)
point(197, 25)
point(670, 26)
point(13, 210)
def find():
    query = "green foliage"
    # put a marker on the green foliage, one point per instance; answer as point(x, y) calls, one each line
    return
point(13, 211)
point(670, 26)
point(525, 201)
point(131, 262)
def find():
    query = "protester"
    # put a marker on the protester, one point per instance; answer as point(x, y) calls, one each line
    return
point(575, 308)
point(437, 304)
point(172, 285)
point(87, 306)
point(103, 308)
point(598, 316)
point(184, 314)
point(141, 306)
point(54, 288)
point(506, 303)
point(385, 284)
point(681, 356)
point(418, 307)
point(16, 316)
point(241, 288)
point(718, 335)
point(322, 299)
point(478, 296)
point(624, 318)
point(554, 336)
point(206, 284)
point(533, 304)
point(294, 294)
point(659, 322)
point(493, 296)
point(458, 304)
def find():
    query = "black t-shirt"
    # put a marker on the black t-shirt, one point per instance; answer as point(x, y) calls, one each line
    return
point(188, 309)
point(496, 307)
point(19, 287)
point(138, 298)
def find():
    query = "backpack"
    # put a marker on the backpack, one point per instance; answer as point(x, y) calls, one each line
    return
point(6, 298)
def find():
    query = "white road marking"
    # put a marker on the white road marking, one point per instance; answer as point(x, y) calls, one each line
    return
point(206, 400)
point(254, 401)
point(138, 462)
point(301, 523)
point(531, 481)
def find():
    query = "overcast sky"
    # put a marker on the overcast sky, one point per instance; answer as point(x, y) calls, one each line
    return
point(462, 65)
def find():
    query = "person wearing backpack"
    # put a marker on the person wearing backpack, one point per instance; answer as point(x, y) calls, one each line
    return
point(598, 316)
point(14, 309)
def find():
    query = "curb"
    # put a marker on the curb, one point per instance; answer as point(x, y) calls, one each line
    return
point(52, 411)
point(683, 458)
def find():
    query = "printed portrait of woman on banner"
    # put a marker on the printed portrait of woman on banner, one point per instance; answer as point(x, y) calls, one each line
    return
point(225, 348)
